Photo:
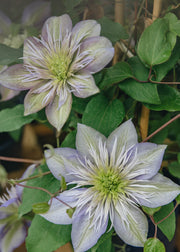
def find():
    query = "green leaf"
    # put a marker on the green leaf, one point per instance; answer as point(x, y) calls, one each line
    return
point(174, 169)
point(9, 55)
point(112, 30)
point(143, 92)
point(40, 208)
point(174, 23)
point(103, 115)
point(178, 157)
point(140, 91)
point(33, 196)
point(162, 69)
point(104, 243)
point(168, 226)
point(157, 123)
point(150, 211)
point(114, 74)
point(15, 134)
point(156, 43)
point(70, 140)
point(169, 97)
point(15, 115)
point(154, 245)
point(44, 236)
point(79, 104)
point(178, 199)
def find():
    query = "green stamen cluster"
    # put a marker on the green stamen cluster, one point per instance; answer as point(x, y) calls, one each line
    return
point(109, 183)
point(59, 67)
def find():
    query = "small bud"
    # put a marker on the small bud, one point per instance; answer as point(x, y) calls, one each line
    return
point(3, 176)
point(70, 211)
point(63, 184)
point(40, 208)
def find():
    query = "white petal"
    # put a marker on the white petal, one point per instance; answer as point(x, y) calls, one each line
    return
point(101, 50)
point(85, 29)
point(130, 224)
point(35, 101)
point(124, 136)
point(35, 53)
point(56, 115)
point(61, 162)
point(7, 94)
point(56, 28)
point(149, 159)
point(83, 85)
point(13, 238)
point(155, 192)
point(13, 78)
point(57, 212)
point(83, 236)
point(88, 138)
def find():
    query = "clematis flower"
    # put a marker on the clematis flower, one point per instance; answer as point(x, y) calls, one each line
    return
point(13, 35)
point(60, 63)
point(113, 176)
point(12, 227)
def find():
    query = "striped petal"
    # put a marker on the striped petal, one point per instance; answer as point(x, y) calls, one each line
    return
point(85, 29)
point(13, 238)
point(155, 192)
point(14, 78)
point(62, 161)
point(56, 28)
point(100, 49)
point(56, 115)
point(35, 101)
point(130, 224)
point(83, 85)
point(84, 234)
point(88, 138)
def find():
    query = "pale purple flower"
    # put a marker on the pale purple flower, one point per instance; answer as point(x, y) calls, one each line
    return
point(113, 177)
point(60, 63)
point(12, 226)
point(11, 35)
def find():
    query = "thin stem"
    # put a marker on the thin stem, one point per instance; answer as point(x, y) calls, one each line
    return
point(155, 226)
point(155, 82)
point(44, 190)
point(168, 214)
point(164, 82)
point(33, 177)
point(162, 127)
point(20, 160)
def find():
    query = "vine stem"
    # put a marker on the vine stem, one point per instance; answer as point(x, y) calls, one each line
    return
point(44, 190)
point(33, 177)
point(162, 127)
point(20, 160)
point(168, 214)
point(157, 223)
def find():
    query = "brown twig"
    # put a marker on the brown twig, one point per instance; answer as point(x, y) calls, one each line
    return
point(145, 112)
point(162, 127)
point(20, 160)
point(44, 190)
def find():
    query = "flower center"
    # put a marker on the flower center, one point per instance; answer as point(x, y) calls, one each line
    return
point(109, 183)
point(59, 67)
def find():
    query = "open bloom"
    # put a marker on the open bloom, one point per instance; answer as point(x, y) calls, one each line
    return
point(60, 63)
point(13, 35)
point(12, 227)
point(113, 177)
